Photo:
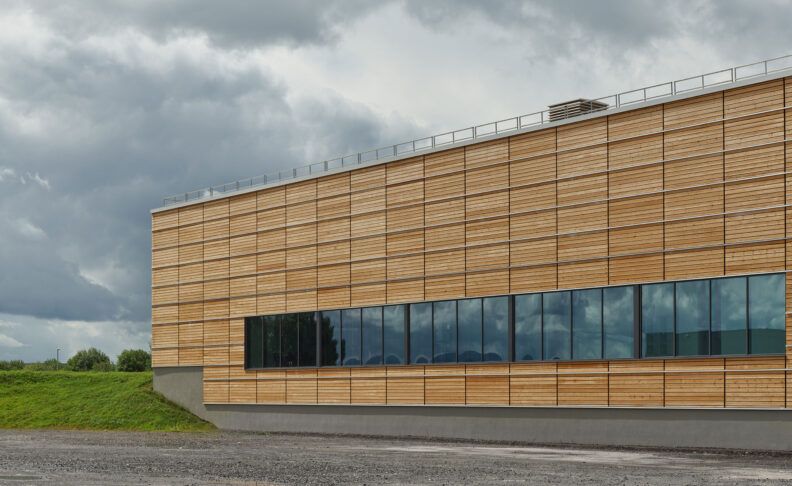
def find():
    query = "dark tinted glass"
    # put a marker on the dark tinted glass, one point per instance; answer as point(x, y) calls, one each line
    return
point(350, 337)
point(420, 333)
point(307, 322)
point(692, 318)
point(618, 322)
point(372, 335)
point(393, 317)
point(445, 333)
point(766, 314)
point(657, 320)
point(528, 327)
point(469, 312)
point(289, 340)
point(496, 328)
point(254, 342)
point(556, 325)
point(271, 341)
point(587, 324)
point(729, 316)
point(331, 338)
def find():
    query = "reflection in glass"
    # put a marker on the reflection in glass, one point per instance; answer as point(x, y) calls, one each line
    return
point(729, 317)
point(618, 322)
point(372, 335)
point(307, 338)
point(528, 327)
point(331, 338)
point(271, 341)
point(254, 354)
point(692, 318)
point(393, 331)
point(445, 335)
point(469, 330)
point(556, 319)
point(350, 337)
point(420, 333)
point(496, 328)
point(657, 320)
point(289, 340)
point(587, 324)
point(766, 314)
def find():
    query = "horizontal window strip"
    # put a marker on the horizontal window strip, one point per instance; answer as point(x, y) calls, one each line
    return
point(544, 154)
point(511, 188)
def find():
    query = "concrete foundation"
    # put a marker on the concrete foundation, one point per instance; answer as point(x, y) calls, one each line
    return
point(760, 429)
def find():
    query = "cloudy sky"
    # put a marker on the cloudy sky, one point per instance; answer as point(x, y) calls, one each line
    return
point(107, 106)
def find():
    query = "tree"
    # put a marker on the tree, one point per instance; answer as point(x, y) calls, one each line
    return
point(134, 360)
point(86, 360)
point(14, 364)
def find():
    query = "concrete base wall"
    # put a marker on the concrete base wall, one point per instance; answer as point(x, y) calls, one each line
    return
point(709, 428)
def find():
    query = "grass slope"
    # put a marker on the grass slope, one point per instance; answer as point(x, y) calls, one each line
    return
point(90, 400)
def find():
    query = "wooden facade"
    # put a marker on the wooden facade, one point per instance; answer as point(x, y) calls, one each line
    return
point(695, 187)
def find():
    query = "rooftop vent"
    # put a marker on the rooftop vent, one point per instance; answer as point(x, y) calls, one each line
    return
point(580, 106)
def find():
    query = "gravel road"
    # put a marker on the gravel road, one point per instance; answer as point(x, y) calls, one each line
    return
point(137, 458)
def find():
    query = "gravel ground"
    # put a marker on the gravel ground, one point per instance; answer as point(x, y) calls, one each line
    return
point(136, 458)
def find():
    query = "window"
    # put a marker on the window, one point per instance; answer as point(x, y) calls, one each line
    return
point(289, 335)
point(372, 336)
point(254, 351)
point(272, 332)
point(496, 328)
point(556, 312)
point(692, 318)
point(766, 327)
point(444, 329)
point(393, 334)
point(587, 324)
point(657, 320)
point(307, 339)
point(618, 314)
point(729, 316)
point(350, 337)
point(528, 327)
point(420, 333)
point(331, 338)
point(470, 344)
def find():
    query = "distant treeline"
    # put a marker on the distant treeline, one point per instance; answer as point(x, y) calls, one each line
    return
point(87, 360)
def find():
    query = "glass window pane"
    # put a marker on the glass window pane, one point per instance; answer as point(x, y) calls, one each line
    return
point(307, 322)
point(350, 337)
point(657, 320)
point(766, 314)
point(692, 318)
point(289, 340)
point(372, 335)
point(331, 338)
point(556, 322)
point(420, 333)
point(469, 330)
point(496, 328)
point(587, 324)
point(528, 327)
point(393, 316)
point(729, 316)
point(619, 316)
point(254, 342)
point(271, 341)
point(444, 329)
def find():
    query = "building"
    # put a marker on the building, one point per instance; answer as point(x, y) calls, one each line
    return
point(612, 273)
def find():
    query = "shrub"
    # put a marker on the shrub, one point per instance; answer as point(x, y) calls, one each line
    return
point(14, 364)
point(48, 365)
point(134, 360)
point(87, 359)
point(103, 366)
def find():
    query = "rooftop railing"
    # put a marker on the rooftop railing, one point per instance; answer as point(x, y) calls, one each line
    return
point(626, 98)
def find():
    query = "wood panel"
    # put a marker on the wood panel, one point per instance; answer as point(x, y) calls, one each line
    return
point(271, 386)
point(215, 391)
point(628, 387)
point(691, 389)
point(333, 385)
point(584, 383)
point(533, 384)
point(301, 386)
point(405, 384)
point(445, 384)
point(487, 384)
point(368, 385)
point(759, 388)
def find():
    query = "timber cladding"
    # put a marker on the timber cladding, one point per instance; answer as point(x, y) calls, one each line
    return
point(691, 188)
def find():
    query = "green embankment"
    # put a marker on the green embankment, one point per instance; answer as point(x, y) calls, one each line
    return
point(89, 400)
